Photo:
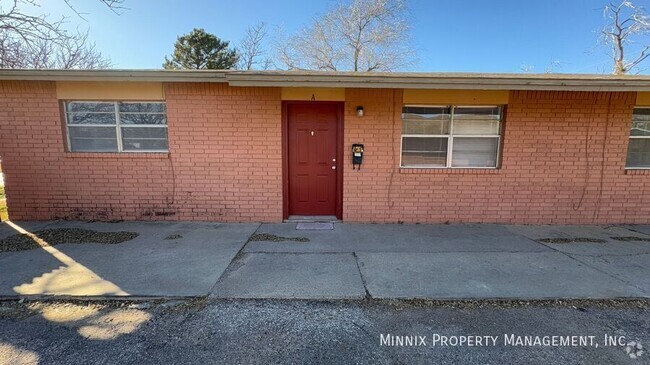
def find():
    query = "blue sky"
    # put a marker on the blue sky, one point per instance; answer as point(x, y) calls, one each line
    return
point(450, 35)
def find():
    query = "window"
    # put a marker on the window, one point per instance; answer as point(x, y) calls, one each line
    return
point(450, 136)
point(638, 149)
point(116, 126)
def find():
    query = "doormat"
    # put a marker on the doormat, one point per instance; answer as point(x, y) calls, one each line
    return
point(314, 226)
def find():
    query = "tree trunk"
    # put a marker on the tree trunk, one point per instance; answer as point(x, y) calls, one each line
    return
point(619, 68)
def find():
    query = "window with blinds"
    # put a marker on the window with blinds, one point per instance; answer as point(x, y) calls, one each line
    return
point(99, 126)
point(451, 136)
point(638, 149)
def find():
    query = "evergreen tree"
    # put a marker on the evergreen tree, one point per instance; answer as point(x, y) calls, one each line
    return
point(201, 50)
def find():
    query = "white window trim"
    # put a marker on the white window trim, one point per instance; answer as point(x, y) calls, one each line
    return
point(118, 126)
point(635, 168)
point(450, 137)
point(630, 136)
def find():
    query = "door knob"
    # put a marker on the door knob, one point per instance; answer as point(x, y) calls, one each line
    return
point(333, 167)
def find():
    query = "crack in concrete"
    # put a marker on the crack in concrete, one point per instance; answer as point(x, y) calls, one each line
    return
point(363, 279)
point(235, 260)
point(597, 269)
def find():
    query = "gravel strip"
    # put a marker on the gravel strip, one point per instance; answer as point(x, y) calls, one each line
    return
point(632, 239)
point(572, 240)
point(57, 236)
point(274, 238)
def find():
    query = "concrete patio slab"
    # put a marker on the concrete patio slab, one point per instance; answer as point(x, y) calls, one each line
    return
point(227, 232)
point(397, 238)
point(536, 232)
point(633, 269)
point(613, 248)
point(486, 275)
point(292, 276)
point(394, 261)
point(6, 230)
point(639, 228)
point(148, 265)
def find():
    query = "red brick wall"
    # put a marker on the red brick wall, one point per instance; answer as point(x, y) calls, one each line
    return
point(224, 162)
point(227, 151)
point(563, 162)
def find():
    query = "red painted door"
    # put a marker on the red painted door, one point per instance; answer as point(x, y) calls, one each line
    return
point(312, 141)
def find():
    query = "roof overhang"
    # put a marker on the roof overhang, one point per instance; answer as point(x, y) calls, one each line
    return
point(463, 81)
point(115, 75)
point(397, 80)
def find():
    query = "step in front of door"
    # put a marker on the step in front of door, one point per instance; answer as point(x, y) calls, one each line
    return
point(312, 219)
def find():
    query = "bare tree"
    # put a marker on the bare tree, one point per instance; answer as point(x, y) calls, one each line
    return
point(27, 39)
point(364, 35)
point(628, 24)
point(527, 68)
point(16, 23)
point(251, 51)
point(67, 53)
point(553, 66)
point(114, 5)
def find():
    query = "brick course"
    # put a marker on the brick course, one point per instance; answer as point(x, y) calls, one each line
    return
point(562, 162)
point(224, 160)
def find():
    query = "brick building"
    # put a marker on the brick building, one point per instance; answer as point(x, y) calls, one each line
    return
point(266, 146)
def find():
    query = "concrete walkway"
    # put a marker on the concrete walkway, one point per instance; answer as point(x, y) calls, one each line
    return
point(149, 265)
point(351, 261)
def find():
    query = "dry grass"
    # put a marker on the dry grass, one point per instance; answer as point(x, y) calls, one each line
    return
point(3, 205)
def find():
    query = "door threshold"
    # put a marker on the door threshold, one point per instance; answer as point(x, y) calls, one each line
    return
point(312, 219)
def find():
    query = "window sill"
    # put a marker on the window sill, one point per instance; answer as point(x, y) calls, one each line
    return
point(637, 171)
point(127, 155)
point(448, 171)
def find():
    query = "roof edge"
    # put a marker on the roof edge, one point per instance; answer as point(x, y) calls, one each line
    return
point(462, 81)
point(400, 80)
point(115, 75)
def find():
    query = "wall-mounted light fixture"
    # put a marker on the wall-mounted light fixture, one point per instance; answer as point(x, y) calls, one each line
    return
point(360, 111)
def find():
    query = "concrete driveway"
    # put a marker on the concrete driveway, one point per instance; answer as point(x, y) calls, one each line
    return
point(350, 261)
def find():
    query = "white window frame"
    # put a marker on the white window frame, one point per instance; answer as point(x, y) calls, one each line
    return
point(450, 137)
point(118, 126)
point(635, 137)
